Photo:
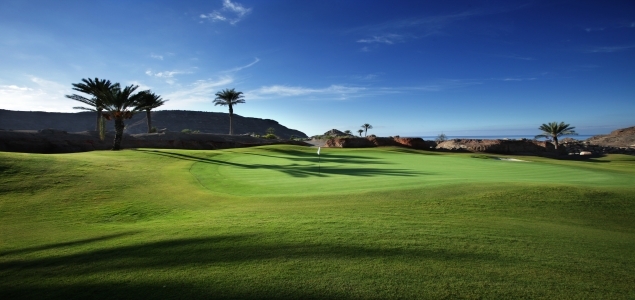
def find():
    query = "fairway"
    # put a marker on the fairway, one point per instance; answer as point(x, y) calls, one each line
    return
point(279, 222)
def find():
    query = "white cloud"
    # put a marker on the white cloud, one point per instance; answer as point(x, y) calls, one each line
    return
point(141, 86)
point(201, 91)
point(235, 11)
point(38, 95)
point(256, 60)
point(383, 39)
point(166, 74)
point(338, 92)
point(156, 56)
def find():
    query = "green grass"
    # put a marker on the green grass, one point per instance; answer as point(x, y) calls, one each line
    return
point(267, 222)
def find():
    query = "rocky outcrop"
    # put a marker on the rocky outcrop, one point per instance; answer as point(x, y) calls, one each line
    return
point(173, 120)
point(624, 137)
point(578, 147)
point(335, 132)
point(372, 141)
point(415, 143)
point(58, 141)
point(523, 146)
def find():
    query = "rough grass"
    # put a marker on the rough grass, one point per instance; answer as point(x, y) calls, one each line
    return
point(268, 223)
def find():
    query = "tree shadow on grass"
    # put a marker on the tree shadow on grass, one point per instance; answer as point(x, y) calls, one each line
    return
point(413, 151)
point(299, 153)
point(66, 244)
point(325, 158)
point(221, 267)
point(297, 170)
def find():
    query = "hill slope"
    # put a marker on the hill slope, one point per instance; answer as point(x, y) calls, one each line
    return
point(173, 120)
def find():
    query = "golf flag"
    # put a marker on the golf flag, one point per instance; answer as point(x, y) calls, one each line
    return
point(319, 150)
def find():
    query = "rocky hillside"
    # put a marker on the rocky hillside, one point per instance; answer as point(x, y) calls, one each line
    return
point(57, 141)
point(624, 137)
point(172, 120)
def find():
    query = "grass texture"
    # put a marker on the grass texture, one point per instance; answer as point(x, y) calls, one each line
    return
point(278, 222)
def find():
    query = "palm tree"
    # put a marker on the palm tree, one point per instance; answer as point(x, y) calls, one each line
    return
point(348, 132)
point(360, 131)
point(554, 130)
point(93, 88)
point(149, 100)
point(120, 104)
point(366, 127)
point(230, 98)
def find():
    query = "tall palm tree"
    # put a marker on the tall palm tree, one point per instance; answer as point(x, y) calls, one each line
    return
point(149, 100)
point(119, 105)
point(553, 130)
point(360, 131)
point(93, 88)
point(230, 98)
point(366, 127)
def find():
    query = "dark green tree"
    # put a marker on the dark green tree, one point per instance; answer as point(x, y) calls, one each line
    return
point(360, 132)
point(441, 138)
point(119, 105)
point(366, 127)
point(554, 130)
point(229, 98)
point(150, 101)
point(93, 88)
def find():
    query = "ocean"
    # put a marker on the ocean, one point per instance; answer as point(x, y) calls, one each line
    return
point(580, 137)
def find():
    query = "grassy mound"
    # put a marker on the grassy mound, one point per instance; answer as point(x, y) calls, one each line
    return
point(276, 222)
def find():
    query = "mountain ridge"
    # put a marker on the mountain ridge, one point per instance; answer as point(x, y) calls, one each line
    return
point(171, 120)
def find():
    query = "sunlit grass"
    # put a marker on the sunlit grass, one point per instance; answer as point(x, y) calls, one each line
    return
point(268, 222)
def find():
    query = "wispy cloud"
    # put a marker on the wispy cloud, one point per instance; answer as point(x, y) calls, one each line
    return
point(383, 39)
point(256, 60)
point(345, 92)
point(38, 95)
point(156, 56)
point(339, 92)
point(608, 49)
point(445, 84)
point(232, 12)
point(201, 91)
point(168, 76)
point(415, 28)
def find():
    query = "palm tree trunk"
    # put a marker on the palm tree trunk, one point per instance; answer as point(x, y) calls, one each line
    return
point(119, 126)
point(231, 114)
point(149, 118)
point(365, 132)
point(555, 141)
point(98, 120)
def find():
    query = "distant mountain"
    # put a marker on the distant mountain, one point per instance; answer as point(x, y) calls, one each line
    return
point(172, 120)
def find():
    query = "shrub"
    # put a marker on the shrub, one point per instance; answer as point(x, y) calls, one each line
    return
point(441, 138)
point(153, 130)
point(188, 131)
point(270, 136)
point(270, 130)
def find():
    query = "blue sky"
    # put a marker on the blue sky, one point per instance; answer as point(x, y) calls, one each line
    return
point(409, 68)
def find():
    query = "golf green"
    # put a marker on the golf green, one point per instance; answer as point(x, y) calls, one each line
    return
point(284, 170)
